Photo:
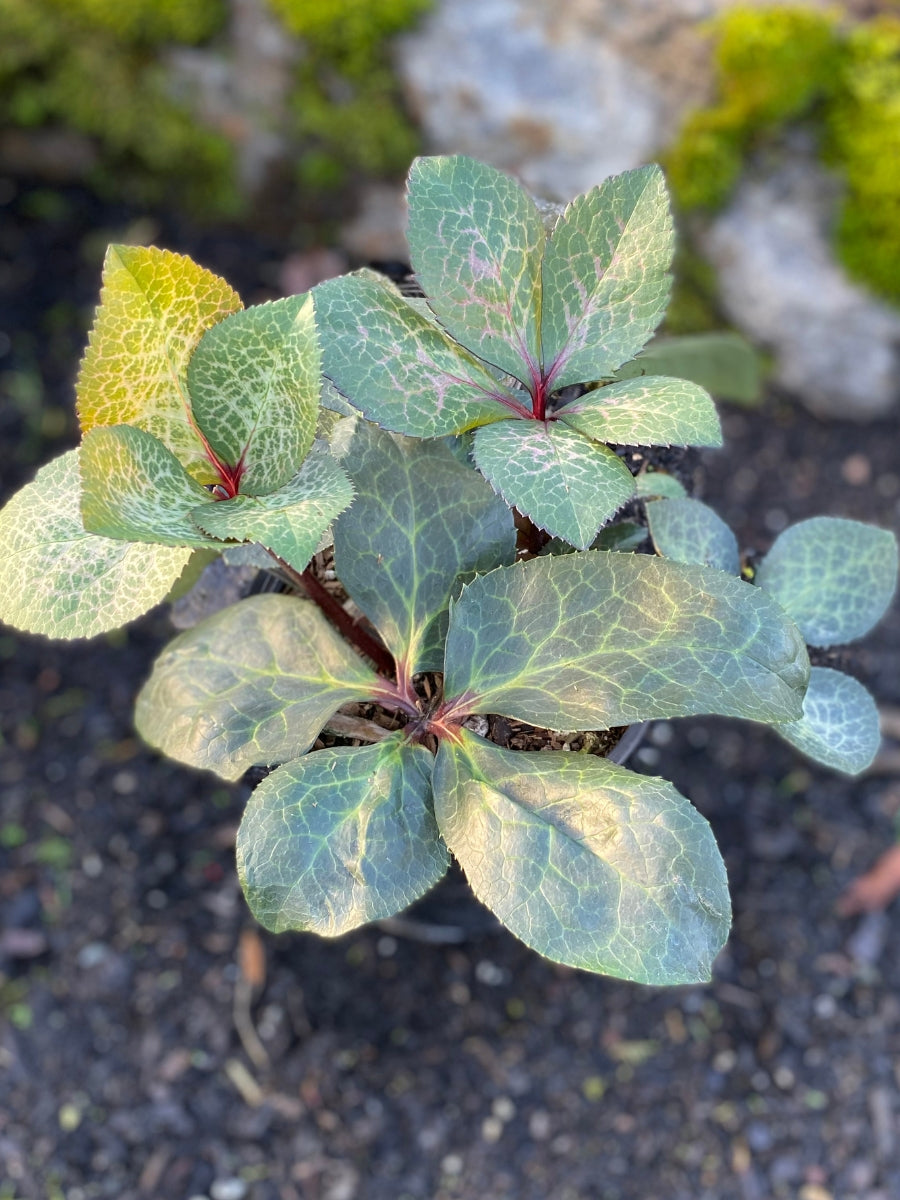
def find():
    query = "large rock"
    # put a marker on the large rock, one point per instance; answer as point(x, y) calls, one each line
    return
point(835, 346)
point(544, 91)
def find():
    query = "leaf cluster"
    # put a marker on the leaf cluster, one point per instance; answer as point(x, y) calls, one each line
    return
point(458, 454)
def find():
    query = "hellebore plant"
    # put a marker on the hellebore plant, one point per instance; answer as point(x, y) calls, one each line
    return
point(462, 596)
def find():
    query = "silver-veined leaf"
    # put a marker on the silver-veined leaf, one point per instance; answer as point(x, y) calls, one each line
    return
point(476, 240)
point(289, 522)
point(594, 640)
point(60, 580)
point(134, 488)
point(646, 412)
point(586, 862)
point(154, 308)
point(399, 368)
point(341, 837)
point(564, 482)
point(251, 685)
point(605, 277)
point(839, 726)
point(254, 388)
point(419, 521)
point(834, 577)
point(688, 531)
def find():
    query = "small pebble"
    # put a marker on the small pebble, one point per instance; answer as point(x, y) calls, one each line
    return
point(784, 1078)
point(825, 1006)
point(539, 1125)
point(228, 1189)
point(92, 865)
point(814, 1191)
point(491, 1129)
point(856, 469)
point(489, 973)
point(69, 1117)
point(92, 955)
point(125, 782)
point(866, 943)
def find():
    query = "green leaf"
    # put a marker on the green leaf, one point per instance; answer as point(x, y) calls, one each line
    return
point(289, 522)
point(61, 581)
point(154, 308)
point(658, 484)
point(624, 536)
point(586, 862)
point(400, 369)
point(605, 277)
point(593, 640)
point(331, 399)
point(476, 240)
point(252, 685)
point(341, 837)
point(420, 519)
point(646, 412)
point(839, 726)
point(688, 531)
point(254, 386)
point(835, 577)
point(135, 489)
point(565, 483)
point(725, 364)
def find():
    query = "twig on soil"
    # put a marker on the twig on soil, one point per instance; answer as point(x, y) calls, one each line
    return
point(250, 1091)
point(252, 962)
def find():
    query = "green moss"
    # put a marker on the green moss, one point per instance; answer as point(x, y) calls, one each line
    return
point(863, 143)
point(706, 162)
point(775, 66)
point(146, 22)
point(348, 27)
point(91, 66)
point(94, 66)
point(347, 108)
point(693, 307)
point(772, 63)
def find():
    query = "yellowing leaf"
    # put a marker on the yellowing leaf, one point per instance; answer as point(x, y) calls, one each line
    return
point(59, 580)
point(154, 308)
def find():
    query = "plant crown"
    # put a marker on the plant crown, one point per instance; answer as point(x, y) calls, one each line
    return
point(504, 589)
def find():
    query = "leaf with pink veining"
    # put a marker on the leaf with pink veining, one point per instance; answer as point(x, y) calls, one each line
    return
point(605, 277)
point(399, 368)
point(476, 240)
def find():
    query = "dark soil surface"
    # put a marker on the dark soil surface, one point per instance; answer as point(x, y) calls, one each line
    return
point(155, 1044)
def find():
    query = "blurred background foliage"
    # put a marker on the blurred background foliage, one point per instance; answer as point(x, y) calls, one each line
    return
point(785, 65)
point(93, 67)
point(98, 68)
point(346, 105)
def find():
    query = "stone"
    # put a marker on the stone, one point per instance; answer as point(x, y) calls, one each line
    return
point(521, 86)
point(835, 346)
point(378, 231)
